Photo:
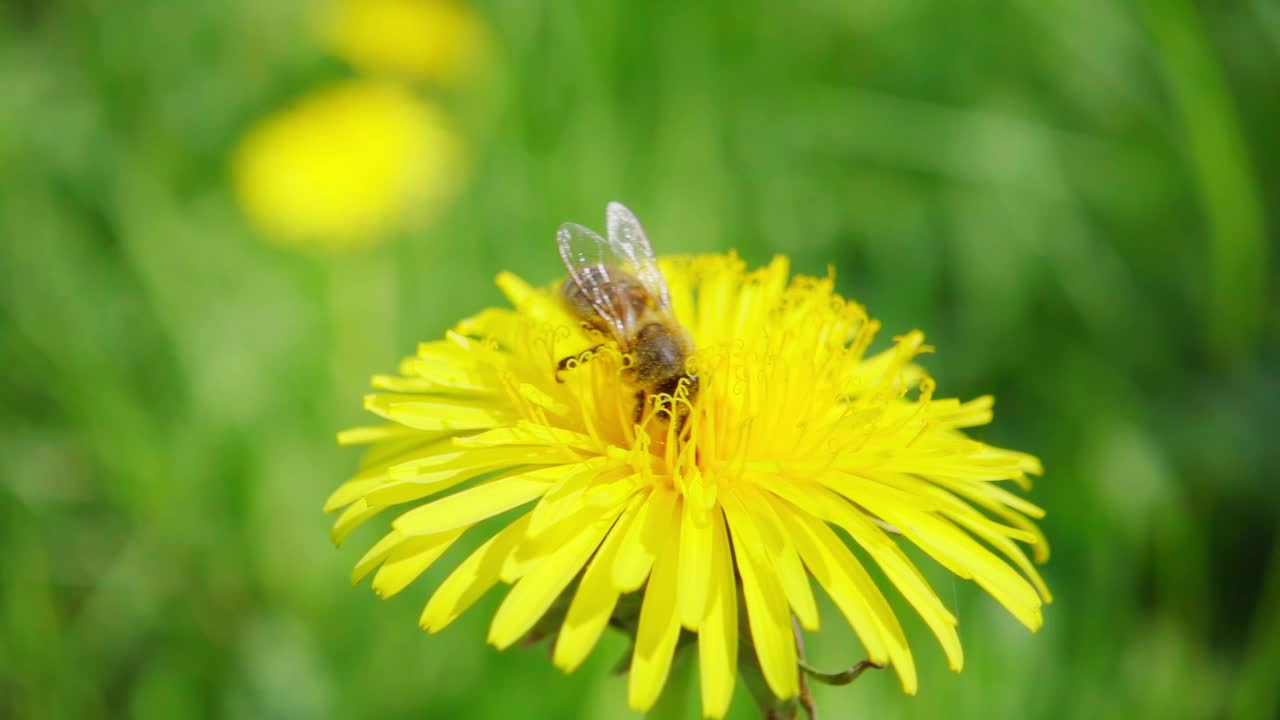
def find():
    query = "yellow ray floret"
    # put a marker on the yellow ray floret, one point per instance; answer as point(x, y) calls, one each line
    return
point(800, 458)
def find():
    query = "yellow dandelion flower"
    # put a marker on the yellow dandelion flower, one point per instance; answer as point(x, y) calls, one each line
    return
point(346, 166)
point(434, 40)
point(708, 505)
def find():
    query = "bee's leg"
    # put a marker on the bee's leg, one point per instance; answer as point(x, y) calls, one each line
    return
point(641, 398)
point(564, 362)
point(680, 410)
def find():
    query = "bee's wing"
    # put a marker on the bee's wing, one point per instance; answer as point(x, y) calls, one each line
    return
point(628, 242)
point(588, 259)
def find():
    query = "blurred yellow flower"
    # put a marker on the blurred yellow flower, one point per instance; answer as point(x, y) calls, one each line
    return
point(433, 40)
point(347, 165)
point(794, 434)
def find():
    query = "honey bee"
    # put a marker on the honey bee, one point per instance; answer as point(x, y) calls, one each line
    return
point(616, 288)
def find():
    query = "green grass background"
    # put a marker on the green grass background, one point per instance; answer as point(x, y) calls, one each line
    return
point(1075, 199)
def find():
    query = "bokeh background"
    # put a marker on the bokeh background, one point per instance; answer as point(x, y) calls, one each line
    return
point(219, 217)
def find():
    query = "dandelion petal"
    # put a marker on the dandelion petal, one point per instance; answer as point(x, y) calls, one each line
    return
point(656, 636)
point(718, 634)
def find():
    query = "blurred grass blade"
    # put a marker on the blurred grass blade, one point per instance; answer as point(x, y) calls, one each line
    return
point(1219, 156)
